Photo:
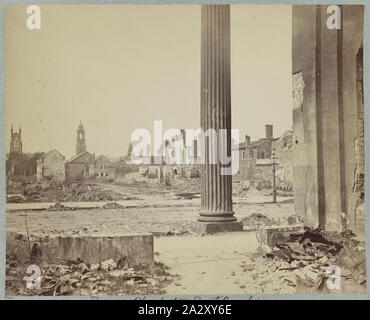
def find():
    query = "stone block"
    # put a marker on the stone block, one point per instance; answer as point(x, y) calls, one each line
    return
point(203, 228)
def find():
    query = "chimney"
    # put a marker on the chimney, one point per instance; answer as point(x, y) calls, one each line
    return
point(247, 140)
point(269, 131)
point(195, 150)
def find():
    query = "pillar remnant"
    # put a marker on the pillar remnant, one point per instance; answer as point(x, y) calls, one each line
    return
point(216, 203)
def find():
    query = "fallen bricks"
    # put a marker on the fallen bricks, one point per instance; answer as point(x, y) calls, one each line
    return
point(112, 205)
point(85, 265)
point(311, 254)
point(75, 277)
point(60, 207)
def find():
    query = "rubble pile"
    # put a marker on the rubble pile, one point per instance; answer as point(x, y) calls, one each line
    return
point(187, 195)
point(305, 262)
point(258, 220)
point(15, 198)
point(112, 205)
point(186, 185)
point(59, 207)
point(52, 191)
point(78, 278)
point(178, 231)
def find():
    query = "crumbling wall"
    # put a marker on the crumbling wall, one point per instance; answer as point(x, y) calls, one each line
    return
point(181, 177)
point(284, 167)
point(357, 206)
point(263, 177)
point(51, 167)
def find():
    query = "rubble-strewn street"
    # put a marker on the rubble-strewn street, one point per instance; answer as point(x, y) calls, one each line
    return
point(224, 155)
point(240, 262)
point(158, 211)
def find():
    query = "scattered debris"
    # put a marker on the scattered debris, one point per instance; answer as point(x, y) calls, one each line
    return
point(301, 262)
point(15, 198)
point(258, 220)
point(59, 207)
point(112, 205)
point(77, 278)
point(188, 195)
point(177, 231)
point(108, 265)
point(56, 191)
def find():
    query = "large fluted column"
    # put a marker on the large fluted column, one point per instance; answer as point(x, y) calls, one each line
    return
point(216, 201)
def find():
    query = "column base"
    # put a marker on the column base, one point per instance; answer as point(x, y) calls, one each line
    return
point(203, 228)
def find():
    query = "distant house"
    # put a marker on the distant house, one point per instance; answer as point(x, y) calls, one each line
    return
point(103, 167)
point(81, 166)
point(51, 166)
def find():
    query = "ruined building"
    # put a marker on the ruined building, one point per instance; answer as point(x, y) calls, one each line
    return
point(328, 117)
point(252, 151)
point(260, 149)
point(80, 142)
point(51, 167)
point(255, 162)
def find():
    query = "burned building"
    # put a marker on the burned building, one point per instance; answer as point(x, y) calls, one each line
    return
point(51, 166)
point(252, 151)
point(260, 149)
point(257, 158)
point(283, 152)
point(328, 117)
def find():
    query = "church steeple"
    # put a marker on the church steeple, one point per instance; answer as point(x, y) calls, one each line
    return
point(80, 143)
point(15, 141)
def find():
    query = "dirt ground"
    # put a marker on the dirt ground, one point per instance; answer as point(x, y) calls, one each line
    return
point(147, 210)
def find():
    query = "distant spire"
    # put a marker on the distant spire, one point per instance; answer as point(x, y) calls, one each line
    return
point(81, 143)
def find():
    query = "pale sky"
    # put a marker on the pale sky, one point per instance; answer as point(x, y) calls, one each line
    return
point(120, 67)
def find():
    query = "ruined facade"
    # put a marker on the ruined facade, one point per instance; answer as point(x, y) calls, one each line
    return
point(51, 166)
point(283, 149)
point(328, 117)
point(256, 164)
point(260, 149)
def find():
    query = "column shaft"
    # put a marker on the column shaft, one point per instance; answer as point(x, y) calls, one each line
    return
point(216, 201)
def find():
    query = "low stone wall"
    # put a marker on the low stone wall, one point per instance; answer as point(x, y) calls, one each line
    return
point(137, 248)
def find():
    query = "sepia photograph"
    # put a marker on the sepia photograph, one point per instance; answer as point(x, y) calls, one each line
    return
point(172, 149)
